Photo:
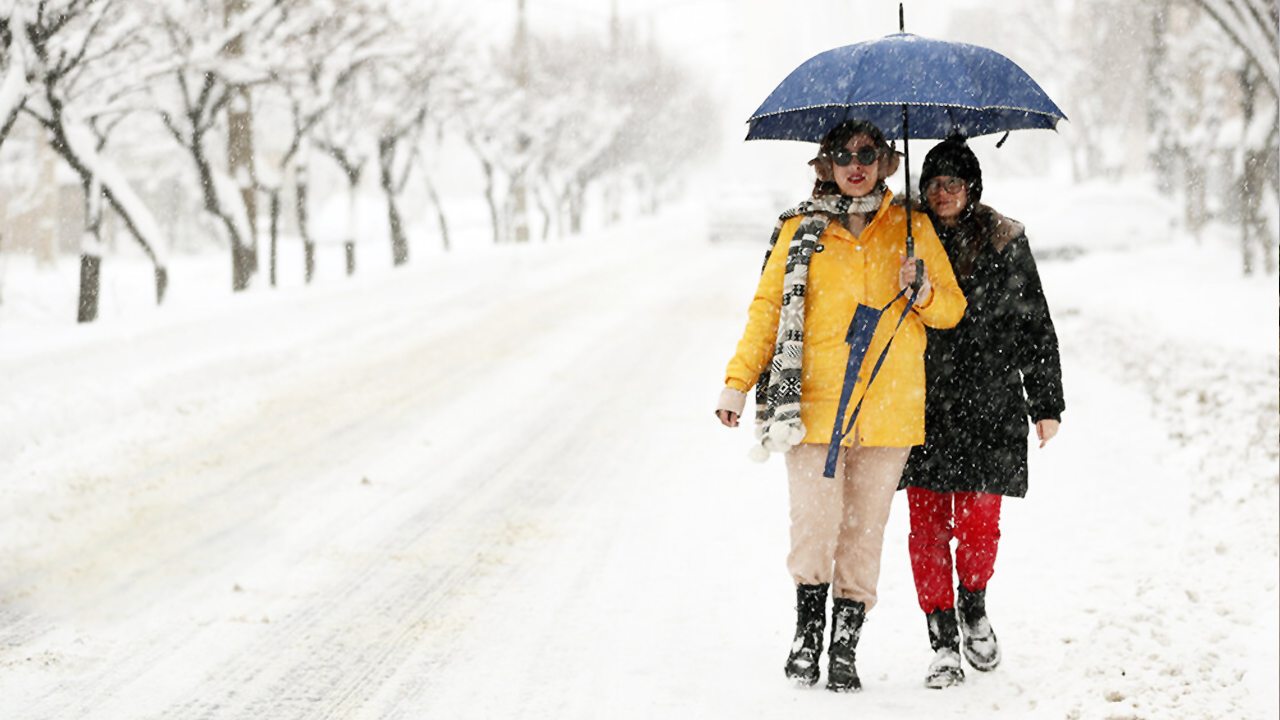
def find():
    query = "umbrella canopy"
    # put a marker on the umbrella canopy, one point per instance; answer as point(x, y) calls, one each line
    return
point(948, 87)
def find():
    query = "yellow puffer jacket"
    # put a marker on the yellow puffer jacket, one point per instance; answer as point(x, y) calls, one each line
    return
point(852, 270)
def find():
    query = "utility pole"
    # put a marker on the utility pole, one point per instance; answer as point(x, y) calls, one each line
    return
point(519, 190)
point(615, 28)
point(240, 160)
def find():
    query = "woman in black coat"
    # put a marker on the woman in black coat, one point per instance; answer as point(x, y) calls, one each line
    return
point(985, 378)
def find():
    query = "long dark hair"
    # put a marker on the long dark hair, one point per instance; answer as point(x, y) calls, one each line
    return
point(965, 240)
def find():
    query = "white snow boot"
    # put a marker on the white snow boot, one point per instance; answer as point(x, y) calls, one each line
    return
point(981, 648)
point(944, 637)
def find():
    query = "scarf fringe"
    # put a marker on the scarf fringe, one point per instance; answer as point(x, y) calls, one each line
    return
point(778, 401)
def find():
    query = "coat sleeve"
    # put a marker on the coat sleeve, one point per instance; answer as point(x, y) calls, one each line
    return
point(1037, 342)
point(755, 348)
point(945, 306)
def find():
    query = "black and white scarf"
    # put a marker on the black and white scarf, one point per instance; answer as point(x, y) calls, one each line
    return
point(778, 425)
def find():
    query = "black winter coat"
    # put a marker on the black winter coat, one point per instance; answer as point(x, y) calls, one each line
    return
point(993, 371)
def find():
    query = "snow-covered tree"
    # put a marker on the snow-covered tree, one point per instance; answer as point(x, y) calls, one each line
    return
point(192, 86)
point(14, 54)
point(582, 114)
point(80, 86)
point(488, 112)
point(327, 45)
point(410, 85)
point(583, 109)
point(1183, 89)
point(1253, 28)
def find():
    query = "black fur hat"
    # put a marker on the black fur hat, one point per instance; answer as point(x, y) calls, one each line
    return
point(953, 158)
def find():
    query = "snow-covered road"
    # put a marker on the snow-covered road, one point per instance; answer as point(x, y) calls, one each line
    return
point(491, 486)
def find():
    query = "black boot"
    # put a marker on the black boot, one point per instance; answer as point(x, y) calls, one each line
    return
point(811, 623)
point(846, 625)
point(980, 646)
point(944, 637)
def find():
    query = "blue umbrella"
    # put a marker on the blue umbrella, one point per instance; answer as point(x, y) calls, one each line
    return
point(909, 87)
point(947, 88)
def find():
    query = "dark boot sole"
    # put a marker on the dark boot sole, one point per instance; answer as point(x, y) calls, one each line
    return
point(987, 666)
point(852, 687)
point(807, 672)
point(980, 664)
point(842, 682)
point(944, 680)
point(804, 678)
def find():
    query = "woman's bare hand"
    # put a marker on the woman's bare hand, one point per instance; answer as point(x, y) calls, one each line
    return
point(1045, 430)
point(907, 275)
point(728, 418)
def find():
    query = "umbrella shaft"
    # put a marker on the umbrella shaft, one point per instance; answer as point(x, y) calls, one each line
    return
point(906, 160)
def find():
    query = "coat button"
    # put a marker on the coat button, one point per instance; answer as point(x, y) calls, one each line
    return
point(819, 248)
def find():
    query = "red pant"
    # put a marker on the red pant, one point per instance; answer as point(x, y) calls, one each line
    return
point(974, 520)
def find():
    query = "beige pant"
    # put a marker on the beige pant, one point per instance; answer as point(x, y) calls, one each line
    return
point(837, 524)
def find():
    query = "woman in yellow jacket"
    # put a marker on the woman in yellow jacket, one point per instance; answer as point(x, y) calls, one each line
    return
point(843, 247)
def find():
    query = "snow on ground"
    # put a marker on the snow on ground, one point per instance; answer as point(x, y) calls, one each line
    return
point(490, 485)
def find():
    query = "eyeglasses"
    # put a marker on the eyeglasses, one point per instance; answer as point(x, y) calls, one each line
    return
point(864, 155)
point(952, 185)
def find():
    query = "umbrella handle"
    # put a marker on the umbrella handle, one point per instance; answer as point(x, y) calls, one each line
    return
point(911, 253)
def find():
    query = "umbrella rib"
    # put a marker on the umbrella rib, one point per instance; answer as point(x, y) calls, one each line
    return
point(914, 104)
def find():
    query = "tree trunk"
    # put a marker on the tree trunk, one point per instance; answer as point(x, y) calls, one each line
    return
point(520, 200)
point(309, 260)
point(1196, 207)
point(353, 170)
point(90, 253)
point(440, 218)
point(1253, 181)
point(386, 178)
point(304, 229)
point(1158, 92)
point(90, 281)
point(240, 165)
point(545, 211)
point(240, 148)
point(576, 205)
point(162, 283)
point(241, 267)
point(495, 218)
point(275, 232)
point(349, 245)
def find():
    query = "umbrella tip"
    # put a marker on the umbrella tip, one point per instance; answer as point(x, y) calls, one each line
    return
point(902, 22)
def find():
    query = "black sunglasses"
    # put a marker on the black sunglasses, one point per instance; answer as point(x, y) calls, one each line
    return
point(952, 185)
point(865, 156)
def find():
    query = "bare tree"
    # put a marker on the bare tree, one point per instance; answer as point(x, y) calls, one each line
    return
point(191, 90)
point(1253, 26)
point(79, 50)
point(410, 85)
point(487, 109)
point(328, 47)
point(340, 135)
point(13, 65)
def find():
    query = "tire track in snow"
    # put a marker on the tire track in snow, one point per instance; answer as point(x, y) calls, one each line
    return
point(220, 546)
point(329, 683)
